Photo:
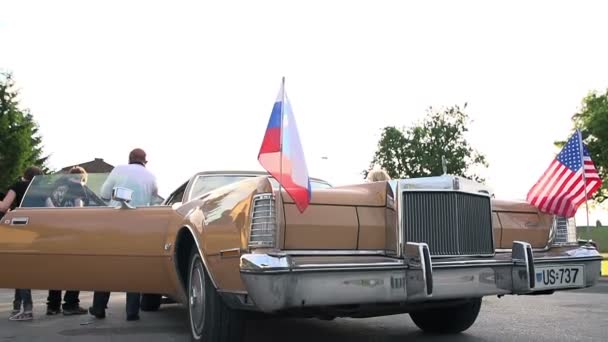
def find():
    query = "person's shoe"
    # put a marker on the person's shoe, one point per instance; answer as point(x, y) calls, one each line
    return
point(97, 313)
point(52, 311)
point(22, 316)
point(74, 311)
point(133, 317)
point(16, 309)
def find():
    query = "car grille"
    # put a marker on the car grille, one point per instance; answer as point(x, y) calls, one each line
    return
point(451, 223)
point(563, 235)
point(263, 222)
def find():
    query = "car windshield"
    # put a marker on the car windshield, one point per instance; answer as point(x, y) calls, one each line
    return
point(206, 183)
point(66, 190)
point(62, 190)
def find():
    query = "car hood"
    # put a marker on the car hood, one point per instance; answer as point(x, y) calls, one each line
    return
point(368, 194)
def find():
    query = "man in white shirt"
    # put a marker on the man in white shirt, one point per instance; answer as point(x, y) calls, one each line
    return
point(133, 176)
point(142, 182)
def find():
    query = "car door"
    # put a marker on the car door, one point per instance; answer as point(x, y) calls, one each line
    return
point(86, 248)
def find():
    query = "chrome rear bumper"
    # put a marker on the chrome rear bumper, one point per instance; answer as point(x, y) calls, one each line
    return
point(280, 281)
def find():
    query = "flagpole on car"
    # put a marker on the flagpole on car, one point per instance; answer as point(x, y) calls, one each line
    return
point(281, 136)
point(580, 146)
point(280, 212)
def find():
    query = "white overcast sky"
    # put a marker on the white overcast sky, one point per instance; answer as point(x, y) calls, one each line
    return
point(193, 82)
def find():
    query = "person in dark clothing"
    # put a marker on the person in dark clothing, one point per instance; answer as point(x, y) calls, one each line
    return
point(68, 191)
point(11, 200)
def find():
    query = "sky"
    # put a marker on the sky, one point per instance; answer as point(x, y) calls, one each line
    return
point(193, 82)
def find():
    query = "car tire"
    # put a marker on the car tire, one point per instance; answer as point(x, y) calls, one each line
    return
point(150, 302)
point(210, 319)
point(447, 320)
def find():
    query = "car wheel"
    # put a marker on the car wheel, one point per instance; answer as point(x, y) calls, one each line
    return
point(447, 320)
point(209, 317)
point(150, 302)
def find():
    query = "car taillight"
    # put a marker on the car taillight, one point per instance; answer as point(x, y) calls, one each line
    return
point(565, 231)
point(263, 222)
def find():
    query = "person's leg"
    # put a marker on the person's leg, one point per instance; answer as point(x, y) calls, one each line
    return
point(28, 305)
point(100, 303)
point(16, 303)
point(71, 304)
point(133, 302)
point(53, 302)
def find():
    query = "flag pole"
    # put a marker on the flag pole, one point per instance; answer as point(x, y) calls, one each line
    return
point(580, 146)
point(281, 135)
point(281, 203)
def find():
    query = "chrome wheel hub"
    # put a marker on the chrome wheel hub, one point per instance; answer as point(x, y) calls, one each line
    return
point(197, 298)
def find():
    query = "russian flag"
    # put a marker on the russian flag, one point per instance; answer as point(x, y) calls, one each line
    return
point(281, 152)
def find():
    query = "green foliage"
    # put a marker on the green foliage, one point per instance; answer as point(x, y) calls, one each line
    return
point(417, 151)
point(597, 234)
point(20, 143)
point(592, 120)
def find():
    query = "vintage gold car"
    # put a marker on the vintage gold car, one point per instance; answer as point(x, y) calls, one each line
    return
point(226, 244)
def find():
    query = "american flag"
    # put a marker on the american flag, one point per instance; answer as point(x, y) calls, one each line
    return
point(561, 189)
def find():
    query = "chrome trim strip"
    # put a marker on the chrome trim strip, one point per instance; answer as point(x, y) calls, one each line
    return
point(352, 265)
point(99, 207)
point(463, 256)
point(236, 292)
point(543, 249)
point(448, 190)
point(510, 250)
point(332, 252)
point(400, 237)
point(566, 259)
point(493, 263)
point(341, 268)
point(565, 244)
point(224, 251)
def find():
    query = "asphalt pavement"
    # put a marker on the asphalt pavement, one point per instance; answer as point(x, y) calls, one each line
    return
point(580, 315)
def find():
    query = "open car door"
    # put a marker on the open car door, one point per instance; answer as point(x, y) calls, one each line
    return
point(84, 248)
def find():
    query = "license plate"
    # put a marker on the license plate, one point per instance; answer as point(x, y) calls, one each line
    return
point(559, 276)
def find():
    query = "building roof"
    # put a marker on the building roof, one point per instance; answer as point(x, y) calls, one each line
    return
point(96, 165)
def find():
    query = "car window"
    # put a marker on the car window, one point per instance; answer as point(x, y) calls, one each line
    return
point(205, 183)
point(177, 195)
point(56, 189)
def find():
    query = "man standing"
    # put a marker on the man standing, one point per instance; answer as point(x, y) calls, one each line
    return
point(133, 176)
point(142, 182)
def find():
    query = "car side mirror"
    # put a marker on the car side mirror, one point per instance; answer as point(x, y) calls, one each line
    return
point(122, 195)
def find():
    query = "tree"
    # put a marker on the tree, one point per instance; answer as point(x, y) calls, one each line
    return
point(417, 151)
point(20, 143)
point(592, 120)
